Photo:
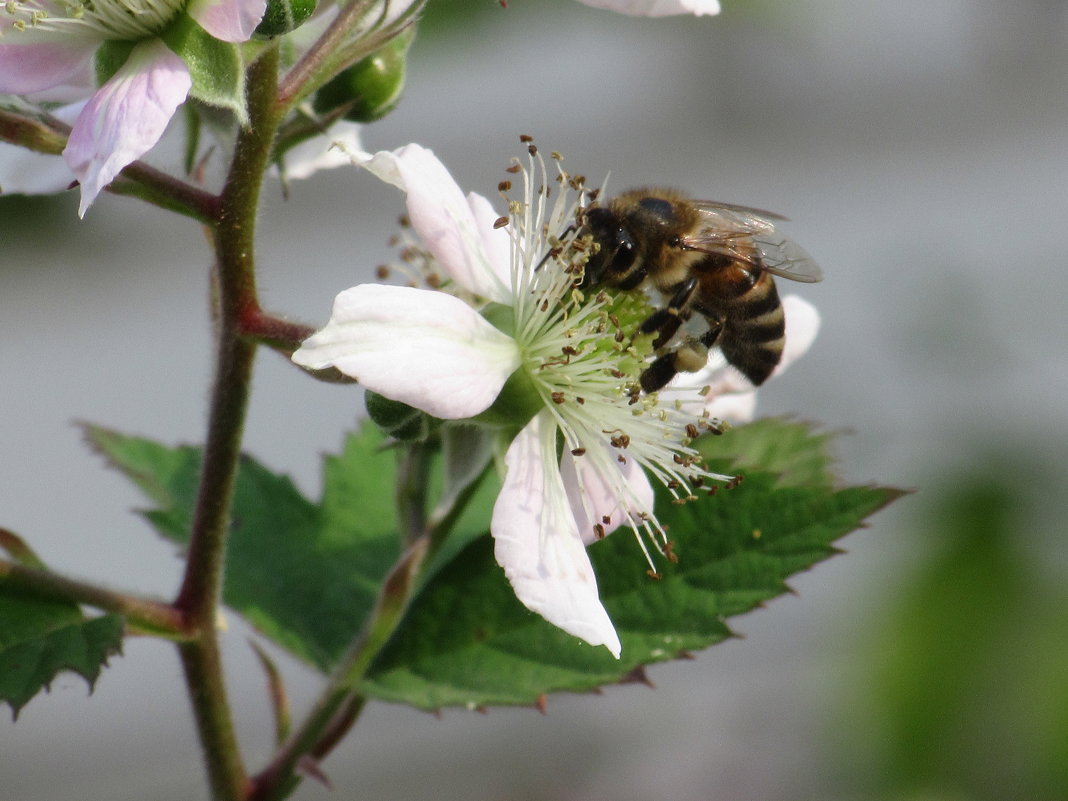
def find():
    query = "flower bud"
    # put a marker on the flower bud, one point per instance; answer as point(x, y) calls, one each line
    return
point(283, 16)
point(370, 88)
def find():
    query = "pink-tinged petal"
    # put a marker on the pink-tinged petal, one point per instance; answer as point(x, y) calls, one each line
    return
point(35, 67)
point(126, 116)
point(442, 217)
point(596, 497)
point(496, 243)
point(537, 542)
point(657, 8)
point(421, 347)
point(228, 20)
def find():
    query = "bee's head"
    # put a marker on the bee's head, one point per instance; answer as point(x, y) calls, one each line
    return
point(616, 248)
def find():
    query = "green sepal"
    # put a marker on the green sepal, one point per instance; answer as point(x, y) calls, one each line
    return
point(216, 67)
point(110, 57)
point(399, 420)
point(283, 16)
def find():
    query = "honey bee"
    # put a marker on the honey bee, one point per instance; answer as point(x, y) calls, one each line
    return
point(710, 259)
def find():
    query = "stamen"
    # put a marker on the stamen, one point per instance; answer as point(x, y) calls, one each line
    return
point(124, 20)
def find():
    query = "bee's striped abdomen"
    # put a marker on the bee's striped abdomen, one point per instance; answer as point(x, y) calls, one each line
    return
point(754, 330)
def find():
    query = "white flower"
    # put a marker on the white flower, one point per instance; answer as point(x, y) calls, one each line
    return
point(560, 363)
point(50, 44)
point(657, 8)
point(323, 151)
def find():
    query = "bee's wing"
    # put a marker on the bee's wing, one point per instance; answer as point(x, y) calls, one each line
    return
point(749, 235)
point(786, 259)
point(745, 215)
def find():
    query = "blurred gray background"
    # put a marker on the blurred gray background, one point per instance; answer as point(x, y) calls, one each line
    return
point(921, 150)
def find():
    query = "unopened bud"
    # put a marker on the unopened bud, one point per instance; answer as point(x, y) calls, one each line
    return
point(370, 88)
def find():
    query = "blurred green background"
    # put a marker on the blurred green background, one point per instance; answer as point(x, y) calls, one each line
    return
point(921, 149)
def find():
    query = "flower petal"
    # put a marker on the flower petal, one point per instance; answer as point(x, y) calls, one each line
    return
point(322, 152)
point(126, 116)
point(424, 348)
point(444, 219)
point(35, 67)
point(537, 542)
point(228, 20)
point(657, 8)
point(736, 407)
point(596, 497)
point(496, 244)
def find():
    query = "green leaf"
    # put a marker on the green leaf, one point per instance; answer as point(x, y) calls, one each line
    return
point(305, 574)
point(790, 449)
point(216, 67)
point(39, 638)
point(467, 641)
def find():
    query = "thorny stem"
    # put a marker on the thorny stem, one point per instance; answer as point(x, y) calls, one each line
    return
point(234, 229)
point(339, 703)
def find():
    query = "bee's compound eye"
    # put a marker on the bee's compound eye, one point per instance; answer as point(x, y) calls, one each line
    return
point(617, 249)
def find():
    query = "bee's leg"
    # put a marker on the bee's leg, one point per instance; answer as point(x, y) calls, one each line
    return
point(711, 336)
point(689, 357)
point(657, 375)
point(668, 320)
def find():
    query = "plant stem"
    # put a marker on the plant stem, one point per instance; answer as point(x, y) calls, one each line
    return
point(294, 85)
point(165, 191)
point(413, 467)
point(154, 616)
point(198, 598)
point(31, 133)
point(340, 703)
point(137, 179)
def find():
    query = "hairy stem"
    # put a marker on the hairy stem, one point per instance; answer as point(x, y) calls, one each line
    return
point(198, 598)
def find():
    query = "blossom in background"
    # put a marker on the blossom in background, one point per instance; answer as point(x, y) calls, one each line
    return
point(657, 8)
point(52, 43)
point(582, 443)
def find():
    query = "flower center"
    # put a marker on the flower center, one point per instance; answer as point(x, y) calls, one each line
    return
point(122, 20)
